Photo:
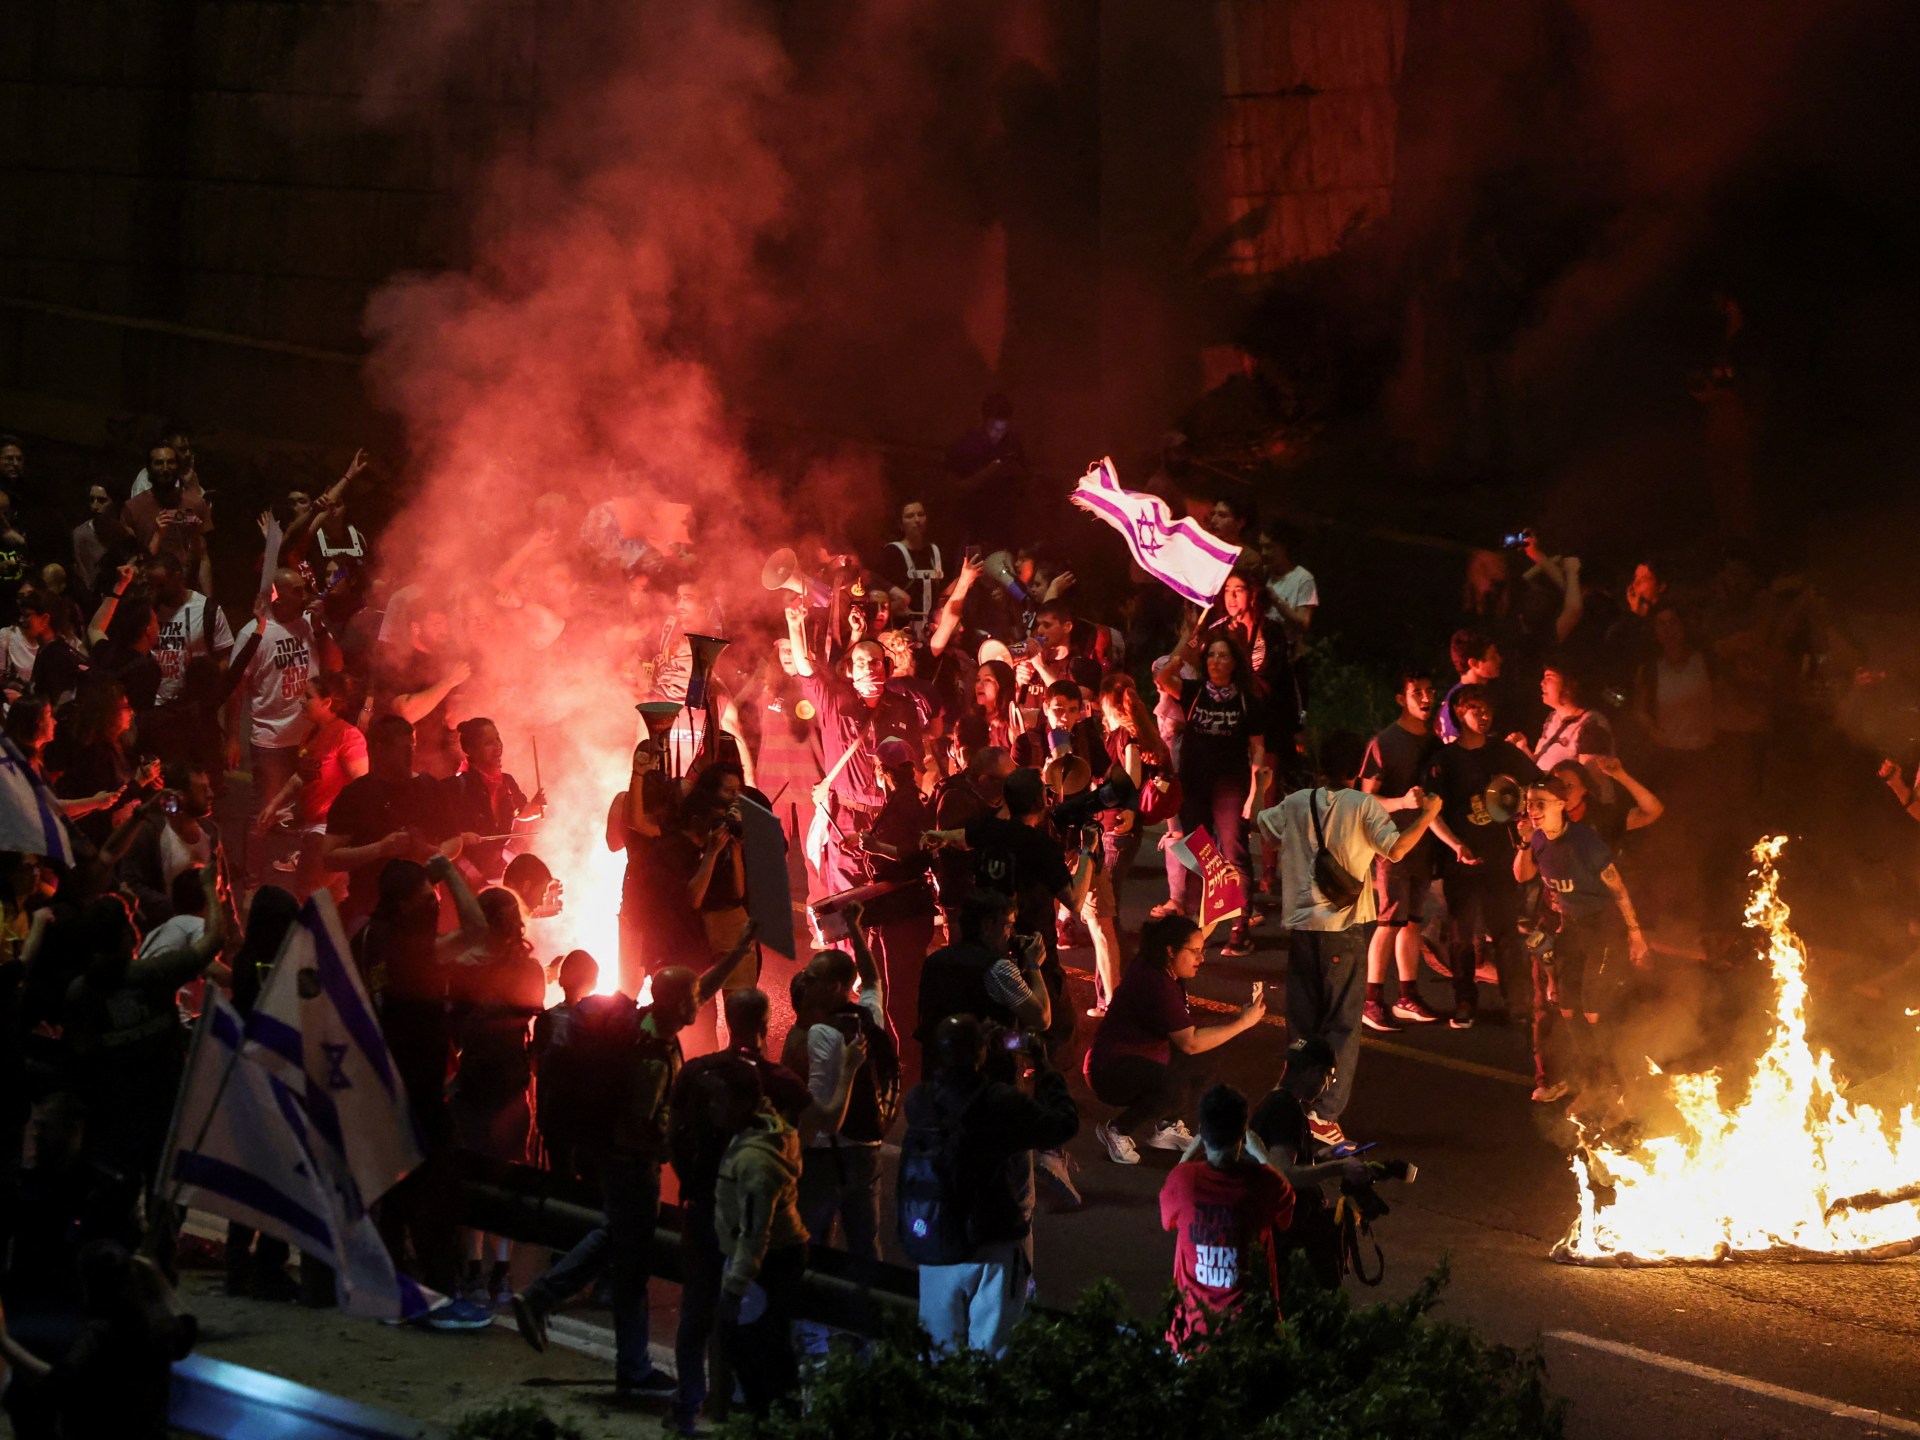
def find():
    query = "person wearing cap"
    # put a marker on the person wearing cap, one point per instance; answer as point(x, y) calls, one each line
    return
point(626, 1143)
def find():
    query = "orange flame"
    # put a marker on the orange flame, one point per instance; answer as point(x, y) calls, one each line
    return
point(1764, 1174)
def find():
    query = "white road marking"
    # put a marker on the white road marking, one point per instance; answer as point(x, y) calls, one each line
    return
point(1739, 1382)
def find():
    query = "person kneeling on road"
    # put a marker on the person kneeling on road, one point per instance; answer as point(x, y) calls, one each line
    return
point(1145, 1057)
point(965, 1184)
point(1224, 1206)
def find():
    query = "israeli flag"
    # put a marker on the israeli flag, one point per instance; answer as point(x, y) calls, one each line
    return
point(242, 1147)
point(314, 1027)
point(31, 821)
point(1179, 553)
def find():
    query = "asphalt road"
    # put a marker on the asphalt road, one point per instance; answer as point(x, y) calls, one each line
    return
point(1493, 1194)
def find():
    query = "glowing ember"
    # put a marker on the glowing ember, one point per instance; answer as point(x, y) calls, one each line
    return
point(1765, 1174)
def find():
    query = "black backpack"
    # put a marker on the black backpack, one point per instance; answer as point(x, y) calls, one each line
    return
point(579, 1091)
point(933, 1217)
point(875, 1101)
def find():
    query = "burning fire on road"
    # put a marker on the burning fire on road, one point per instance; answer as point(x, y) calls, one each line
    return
point(1792, 1170)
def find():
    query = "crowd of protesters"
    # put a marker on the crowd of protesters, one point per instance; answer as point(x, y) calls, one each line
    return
point(969, 773)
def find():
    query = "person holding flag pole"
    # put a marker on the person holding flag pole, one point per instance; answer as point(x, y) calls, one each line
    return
point(295, 1120)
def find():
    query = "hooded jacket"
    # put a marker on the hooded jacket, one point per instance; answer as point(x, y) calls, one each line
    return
point(757, 1199)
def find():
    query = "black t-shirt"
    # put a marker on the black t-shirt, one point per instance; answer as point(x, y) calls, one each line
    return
point(493, 1003)
point(1459, 776)
point(1024, 861)
point(661, 870)
point(921, 588)
point(370, 809)
point(955, 804)
point(1399, 760)
point(1280, 1120)
point(1220, 727)
point(1606, 818)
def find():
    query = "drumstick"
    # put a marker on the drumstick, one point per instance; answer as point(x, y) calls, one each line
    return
point(537, 786)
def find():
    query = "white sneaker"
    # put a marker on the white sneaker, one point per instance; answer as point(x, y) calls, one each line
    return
point(1120, 1149)
point(1170, 1135)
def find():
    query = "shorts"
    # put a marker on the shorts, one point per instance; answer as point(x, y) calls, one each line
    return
point(1401, 887)
point(1099, 902)
point(1584, 952)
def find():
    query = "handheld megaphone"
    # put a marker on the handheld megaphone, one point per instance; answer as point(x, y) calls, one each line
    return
point(999, 565)
point(657, 716)
point(782, 572)
point(1116, 792)
point(705, 650)
point(1502, 797)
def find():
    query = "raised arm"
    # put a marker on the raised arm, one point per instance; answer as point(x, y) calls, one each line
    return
point(797, 638)
point(1429, 808)
point(1646, 805)
point(949, 622)
point(473, 921)
point(416, 706)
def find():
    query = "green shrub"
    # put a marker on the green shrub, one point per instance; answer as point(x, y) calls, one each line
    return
point(1343, 693)
point(514, 1420)
point(1330, 1372)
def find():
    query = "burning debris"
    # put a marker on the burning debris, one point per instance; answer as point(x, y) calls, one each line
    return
point(1794, 1170)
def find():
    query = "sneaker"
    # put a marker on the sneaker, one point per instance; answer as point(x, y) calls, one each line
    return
point(657, 1386)
point(531, 1321)
point(1170, 1135)
point(1237, 949)
point(1326, 1132)
point(1120, 1149)
point(459, 1315)
point(1414, 1011)
point(1056, 1168)
point(1547, 1094)
point(1096, 1012)
point(1462, 1018)
point(1374, 1016)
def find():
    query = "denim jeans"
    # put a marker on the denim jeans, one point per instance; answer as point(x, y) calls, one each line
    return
point(630, 1194)
point(701, 1267)
point(1326, 985)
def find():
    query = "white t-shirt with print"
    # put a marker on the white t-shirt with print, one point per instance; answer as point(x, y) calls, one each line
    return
point(183, 637)
point(276, 682)
point(1357, 828)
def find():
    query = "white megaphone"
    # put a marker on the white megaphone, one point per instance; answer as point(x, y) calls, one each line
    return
point(782, 572)
point(999, 565)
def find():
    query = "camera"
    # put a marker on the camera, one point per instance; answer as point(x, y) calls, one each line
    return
point(1365, 1198)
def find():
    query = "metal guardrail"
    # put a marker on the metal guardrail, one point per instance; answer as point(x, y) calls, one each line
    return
point(538, 1207)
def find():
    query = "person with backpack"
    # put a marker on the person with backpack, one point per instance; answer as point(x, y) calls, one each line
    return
point(697, 1143)
point(840, 1179)
point(1022, 857)
point(635, 1053)
point(965, 1184)
point(1329, 836)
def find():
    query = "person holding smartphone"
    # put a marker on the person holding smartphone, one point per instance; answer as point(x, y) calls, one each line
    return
point(1146, 1055)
